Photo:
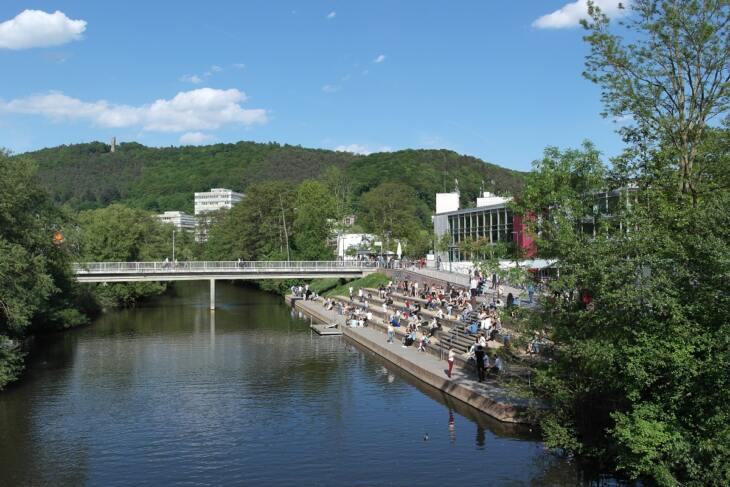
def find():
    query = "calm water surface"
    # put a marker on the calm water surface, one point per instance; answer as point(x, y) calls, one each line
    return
point(170, 394)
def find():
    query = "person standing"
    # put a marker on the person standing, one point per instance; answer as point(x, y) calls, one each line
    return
point(479, 356)
point(530, 292)
point(391, 331)
point(452, 356)
point(498, 365)
point(351, 291)
point(473, 285)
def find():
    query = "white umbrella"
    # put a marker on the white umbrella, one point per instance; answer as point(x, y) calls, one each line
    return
point(399, 251)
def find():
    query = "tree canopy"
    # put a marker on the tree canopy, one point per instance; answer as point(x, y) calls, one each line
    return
point(36, 284)
point(671, 80)
point(639, 311)
point(86, 176)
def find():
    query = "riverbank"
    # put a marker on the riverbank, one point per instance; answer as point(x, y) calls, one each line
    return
point(489, 397)
point(245, 395)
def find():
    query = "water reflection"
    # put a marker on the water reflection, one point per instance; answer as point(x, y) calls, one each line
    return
point(212, 329)
point(452, 427)
point(173, 393)
point(481, 438)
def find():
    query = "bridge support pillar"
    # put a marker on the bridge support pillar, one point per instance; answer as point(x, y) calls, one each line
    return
point(212, 294)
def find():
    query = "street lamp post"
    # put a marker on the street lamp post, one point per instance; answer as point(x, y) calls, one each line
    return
point(173, 246)
point(387, 246)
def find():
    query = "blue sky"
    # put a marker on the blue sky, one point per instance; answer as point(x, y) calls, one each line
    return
point(496, 80)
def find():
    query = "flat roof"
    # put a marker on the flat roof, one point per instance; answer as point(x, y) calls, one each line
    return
point(474, 210)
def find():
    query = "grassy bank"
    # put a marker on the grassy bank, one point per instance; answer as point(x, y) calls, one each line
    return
point(373, 280)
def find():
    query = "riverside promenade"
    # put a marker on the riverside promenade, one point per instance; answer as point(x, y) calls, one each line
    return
point(489, 396)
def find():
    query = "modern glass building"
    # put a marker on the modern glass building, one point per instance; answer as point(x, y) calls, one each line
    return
point(491, 220)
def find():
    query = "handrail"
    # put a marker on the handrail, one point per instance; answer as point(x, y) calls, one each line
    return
point(218, 266)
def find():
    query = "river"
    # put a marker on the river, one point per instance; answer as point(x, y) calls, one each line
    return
point(172, 394)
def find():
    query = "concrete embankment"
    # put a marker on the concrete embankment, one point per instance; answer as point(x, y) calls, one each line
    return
point(489, 397)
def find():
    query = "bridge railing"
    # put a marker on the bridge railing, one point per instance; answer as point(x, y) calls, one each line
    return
point(219, 266)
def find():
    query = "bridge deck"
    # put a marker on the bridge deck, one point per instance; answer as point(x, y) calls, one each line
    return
point(223, 270)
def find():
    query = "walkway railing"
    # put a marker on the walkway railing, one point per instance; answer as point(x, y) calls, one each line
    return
point(203, 267)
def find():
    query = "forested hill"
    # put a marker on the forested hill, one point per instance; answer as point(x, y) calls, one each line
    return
point(158, 179)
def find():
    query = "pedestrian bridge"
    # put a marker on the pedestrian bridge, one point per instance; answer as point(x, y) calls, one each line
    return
point(218, 270)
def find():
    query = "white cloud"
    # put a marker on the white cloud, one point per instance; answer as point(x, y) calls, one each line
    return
point(200, 109)
point(571, 13)
point(239, 65)
point(191, 78)
point(36, 28)
point(216, 69)
point(195, 138)
point(331, 88)
point(379, 59)
point(331, 15)
point(361, 149)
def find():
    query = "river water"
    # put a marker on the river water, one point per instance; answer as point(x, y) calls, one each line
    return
point(172, 394)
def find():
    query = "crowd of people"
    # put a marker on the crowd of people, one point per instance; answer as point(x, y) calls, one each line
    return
point(302, 291)
point(447, 303)
point(444, 302)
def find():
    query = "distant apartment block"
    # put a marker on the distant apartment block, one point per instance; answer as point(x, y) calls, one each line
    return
point(181, 220)
point(210, 201)
point(216, 199)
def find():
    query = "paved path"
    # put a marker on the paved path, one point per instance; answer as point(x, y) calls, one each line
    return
point(461, 279)
point(488, 396)
point(464, 378)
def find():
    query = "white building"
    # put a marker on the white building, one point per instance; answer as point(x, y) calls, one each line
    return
point(210, 201)
point(181, 220)
point(491, 219)
point(347, 241)
point(216, 199)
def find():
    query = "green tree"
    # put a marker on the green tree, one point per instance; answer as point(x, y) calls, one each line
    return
point(393, 209)
point(560, 190)
point(636, 381)
point(314, 218)
point(340, 187)
point(121, 234)
point(257, 228)
point(671, 77)
point(37, 290)
point(640, 375)
point(88, 176)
